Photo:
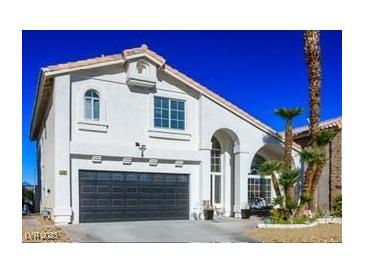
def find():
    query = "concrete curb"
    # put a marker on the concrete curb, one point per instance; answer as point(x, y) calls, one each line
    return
point(289, 226)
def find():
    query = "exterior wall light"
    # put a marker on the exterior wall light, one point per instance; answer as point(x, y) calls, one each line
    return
point(142, 148)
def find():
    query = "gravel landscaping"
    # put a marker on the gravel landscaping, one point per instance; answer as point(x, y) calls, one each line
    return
point(322, 233)
point(37, 230)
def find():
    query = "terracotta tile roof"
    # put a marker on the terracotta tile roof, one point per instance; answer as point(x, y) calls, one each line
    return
point(144, 50)
point(83, 63)
point(331, 123)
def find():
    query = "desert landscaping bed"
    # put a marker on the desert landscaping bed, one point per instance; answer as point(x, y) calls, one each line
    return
point(322, 233)
point(37, 230)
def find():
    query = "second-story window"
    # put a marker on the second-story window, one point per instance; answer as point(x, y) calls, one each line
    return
point(92, 105)
point(169, 113)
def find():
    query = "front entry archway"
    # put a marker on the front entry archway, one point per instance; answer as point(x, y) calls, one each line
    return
point(222, 171)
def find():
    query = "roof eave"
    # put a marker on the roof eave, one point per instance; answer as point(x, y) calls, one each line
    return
point(36, 104)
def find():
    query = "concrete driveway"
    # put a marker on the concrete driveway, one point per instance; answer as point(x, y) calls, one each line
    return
point(219, 230)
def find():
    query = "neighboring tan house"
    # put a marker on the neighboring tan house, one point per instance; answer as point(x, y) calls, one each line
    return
point(127, 137)
point(330, 185)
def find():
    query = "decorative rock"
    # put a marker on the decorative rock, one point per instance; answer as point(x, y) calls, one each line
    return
point(329, 220)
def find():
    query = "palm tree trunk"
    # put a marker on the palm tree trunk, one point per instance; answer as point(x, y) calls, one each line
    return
point(314, 185)
point(288, 144)
point(308, 178)
point(313, 57)
point(289, 193)
point(275, 183)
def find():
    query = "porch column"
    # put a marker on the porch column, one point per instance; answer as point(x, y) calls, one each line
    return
point(61, 100)
point(241, 163)
point(205, 174)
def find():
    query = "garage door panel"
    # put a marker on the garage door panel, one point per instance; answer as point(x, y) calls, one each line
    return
point(87, 217)
point(103, 216)
point(117, 189)
point(145, 203)
point(131, 203)
point(129, 196)
point(131, 189)
point(103, 189)
point(103, 203)
point(88, 203)
point(118, 216)
point(117, 203)
point(87, 189)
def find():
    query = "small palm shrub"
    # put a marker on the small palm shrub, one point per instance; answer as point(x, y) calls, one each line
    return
point(281, 216)
point(337, 206)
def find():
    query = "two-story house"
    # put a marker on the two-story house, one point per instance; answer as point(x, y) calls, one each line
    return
point(127, 137)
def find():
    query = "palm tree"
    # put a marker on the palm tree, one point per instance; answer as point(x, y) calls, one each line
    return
point(273, 168)
point(313, 58)
point(321, 140)
point(287, 180)
point(314, 158)
point(288, 114)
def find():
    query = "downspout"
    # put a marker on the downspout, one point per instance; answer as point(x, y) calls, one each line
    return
point(330, 178)
point(69, 151)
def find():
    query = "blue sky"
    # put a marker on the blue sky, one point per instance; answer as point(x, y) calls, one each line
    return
point(256, 70)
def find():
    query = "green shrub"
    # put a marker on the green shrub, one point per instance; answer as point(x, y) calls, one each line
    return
point(337, 206)
point(279, 201)
point(291, 205)
point(281, 216)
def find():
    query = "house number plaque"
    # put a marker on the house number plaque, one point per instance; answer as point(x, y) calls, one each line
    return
point(62, 172)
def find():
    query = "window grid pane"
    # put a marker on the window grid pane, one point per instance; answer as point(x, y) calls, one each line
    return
point(259, 188)
point(96, 109)
point(88, 108)
point(169, 113)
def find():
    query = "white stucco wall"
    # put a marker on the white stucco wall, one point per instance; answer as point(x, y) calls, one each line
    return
point(46, 142)
point(127, 117)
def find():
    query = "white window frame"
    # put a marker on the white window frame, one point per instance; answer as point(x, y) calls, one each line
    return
point(92, 105)
point(169, 111)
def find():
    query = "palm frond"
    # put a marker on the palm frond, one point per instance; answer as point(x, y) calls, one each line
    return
point(324, 137)
point(270, 167)
point(289, 177)
point(313, 156)
point(288, 113)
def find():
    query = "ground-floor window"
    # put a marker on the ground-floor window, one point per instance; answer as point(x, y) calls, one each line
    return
point(259, 188)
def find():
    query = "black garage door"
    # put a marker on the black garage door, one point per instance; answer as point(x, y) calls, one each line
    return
point(107, 196)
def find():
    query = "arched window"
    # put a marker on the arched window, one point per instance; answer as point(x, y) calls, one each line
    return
point(215, 156)
point(257, 161)
point(92, 105)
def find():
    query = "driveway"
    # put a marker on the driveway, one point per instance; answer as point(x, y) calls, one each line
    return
point(219, 230)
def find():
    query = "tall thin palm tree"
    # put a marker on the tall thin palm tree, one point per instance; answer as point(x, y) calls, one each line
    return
point(313, 58)
point(288, 114)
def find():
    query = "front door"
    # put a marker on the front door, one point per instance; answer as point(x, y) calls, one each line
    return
point(216, 194)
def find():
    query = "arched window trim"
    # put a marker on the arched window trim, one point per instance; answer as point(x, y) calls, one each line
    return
point(256, 164)
point(92, 105)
